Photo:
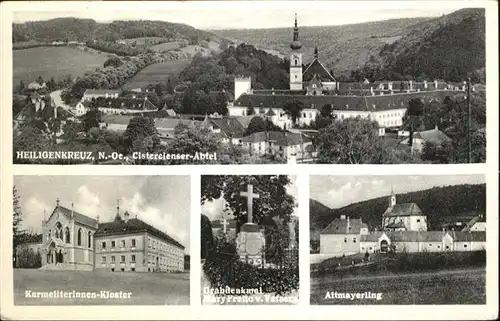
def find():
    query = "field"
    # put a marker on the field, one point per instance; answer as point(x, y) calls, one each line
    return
point(156, 73)
point(146, 288)
point(54, 62)
point(460, 286)
point(166, 46)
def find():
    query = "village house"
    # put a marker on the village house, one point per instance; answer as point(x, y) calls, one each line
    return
point(432, 136)
point(90, 94)
point(117, 105)
point(404, 228)
point(285, 144)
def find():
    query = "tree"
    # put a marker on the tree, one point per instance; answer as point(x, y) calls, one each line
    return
point(257, 124)
point(141, 131)
point(91, 119)
point(351, 141)
point(293, 108)
point(327, 111)
point(17, 219)
point(273, 201)
point(113, 62)
point(250, 111)
point(207, 238)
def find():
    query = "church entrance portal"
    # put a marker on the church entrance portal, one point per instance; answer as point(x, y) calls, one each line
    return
point(384, 246)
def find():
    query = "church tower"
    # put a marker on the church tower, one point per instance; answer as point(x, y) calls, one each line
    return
point(392, 200)
point(296, 60)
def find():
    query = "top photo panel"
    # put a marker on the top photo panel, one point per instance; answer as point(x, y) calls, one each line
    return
point(223, 83)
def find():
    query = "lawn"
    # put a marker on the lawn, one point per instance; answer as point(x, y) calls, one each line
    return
point(460, 286)
point(146, 288)
point(54, 62)
point(156, 73)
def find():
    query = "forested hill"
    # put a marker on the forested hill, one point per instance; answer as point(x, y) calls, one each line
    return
point(437, 203)
point(449, 47)
point(81, 30)
point(341, 48)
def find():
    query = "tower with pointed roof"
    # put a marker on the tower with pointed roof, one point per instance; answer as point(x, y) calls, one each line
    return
point(296, 60)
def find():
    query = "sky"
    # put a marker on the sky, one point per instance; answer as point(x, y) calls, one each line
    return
point(339, 191)
point(161, 201)
point(213, 210)
point(235, 14)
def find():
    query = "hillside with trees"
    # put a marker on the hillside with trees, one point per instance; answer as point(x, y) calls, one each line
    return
point(82, 30)
point(437, 203)
point(450, 47)
point(341, 48)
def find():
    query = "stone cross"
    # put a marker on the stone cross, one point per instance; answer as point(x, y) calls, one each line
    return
point(249, 194)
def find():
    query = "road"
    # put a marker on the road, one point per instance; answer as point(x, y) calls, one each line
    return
point(56, 98)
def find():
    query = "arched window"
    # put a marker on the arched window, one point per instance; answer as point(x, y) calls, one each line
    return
point(296, 62)
point(79, 242)
point(59, 231)
point(89, 243)
point(67, 235)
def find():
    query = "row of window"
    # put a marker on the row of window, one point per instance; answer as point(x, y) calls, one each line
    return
point(64, 235)
point(353, 240)
point(122, 259)
point(122, 244)
point(163, 247)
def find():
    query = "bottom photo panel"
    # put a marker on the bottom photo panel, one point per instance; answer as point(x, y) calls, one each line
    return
point(398, 239)
point(249, 240)
point(101, 240)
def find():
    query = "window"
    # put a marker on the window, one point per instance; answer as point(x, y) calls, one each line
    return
point(67, 235)
point(103, 259)
point(113, 244)
point(465, 245)
point(79, 237)
point(123, 270)
point(296, 64)
point(132, 258)
point(122, 259)
point(103, 245)
point(89, 240)
point(430, 245)
point(149, 242)
point(122, 243)
point(345, 239)
point(132, 269)
point(113, 259)
point(133, 242)
point(418, 221)
point(112, 269)
point(447, 247)
point(353, 240)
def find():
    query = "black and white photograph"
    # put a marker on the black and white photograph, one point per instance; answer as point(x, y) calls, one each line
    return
point(215, 83)
point(101, 240)
point(249, 240)
point(398, 239)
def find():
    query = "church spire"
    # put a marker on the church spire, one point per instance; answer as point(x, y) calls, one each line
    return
point(392, 199)
point(296, 45)
point(118, 217)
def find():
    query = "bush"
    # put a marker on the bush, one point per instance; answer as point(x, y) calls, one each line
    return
point(28, 259)
point(236, 274)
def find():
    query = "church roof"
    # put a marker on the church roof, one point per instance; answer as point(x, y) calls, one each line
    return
point(133, 225)
point(396, 225)
point(79, 218)
point(341, 226)
point(317, 69)
point(405, 209)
